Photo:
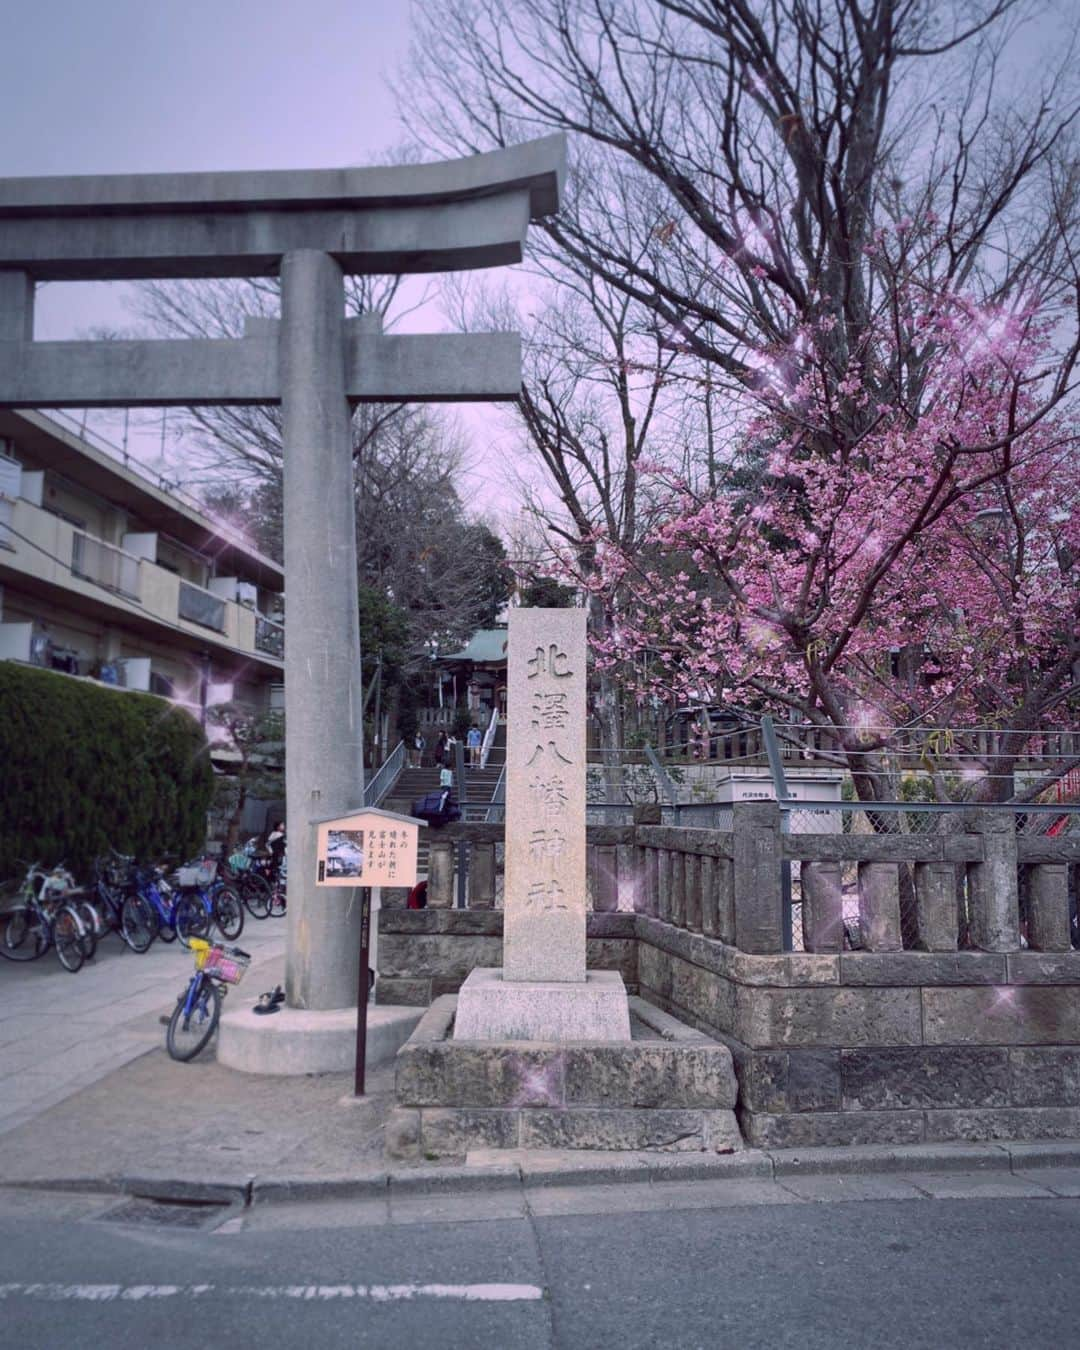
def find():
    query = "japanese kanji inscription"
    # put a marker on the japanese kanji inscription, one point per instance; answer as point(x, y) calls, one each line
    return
point(544, 922)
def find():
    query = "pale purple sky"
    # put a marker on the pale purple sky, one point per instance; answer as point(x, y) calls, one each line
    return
point(140, 86)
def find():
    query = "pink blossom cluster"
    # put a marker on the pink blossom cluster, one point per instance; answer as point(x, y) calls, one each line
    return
point(909, 542)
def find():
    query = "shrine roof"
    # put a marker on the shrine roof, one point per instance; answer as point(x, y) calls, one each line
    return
point(486, 647)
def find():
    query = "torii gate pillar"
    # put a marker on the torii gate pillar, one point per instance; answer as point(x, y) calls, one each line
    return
point(324, 749)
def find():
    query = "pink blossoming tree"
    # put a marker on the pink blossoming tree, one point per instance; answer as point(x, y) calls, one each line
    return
point(901, 552)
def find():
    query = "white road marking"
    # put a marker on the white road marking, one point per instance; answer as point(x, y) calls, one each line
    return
point(378, 1293)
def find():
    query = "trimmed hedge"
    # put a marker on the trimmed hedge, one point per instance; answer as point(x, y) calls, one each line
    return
point(83, 767)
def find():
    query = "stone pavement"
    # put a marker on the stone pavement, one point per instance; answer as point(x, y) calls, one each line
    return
point(61, 1033)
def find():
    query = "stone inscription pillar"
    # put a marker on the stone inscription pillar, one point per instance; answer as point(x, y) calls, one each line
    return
point(544, 918)
point(323, 723)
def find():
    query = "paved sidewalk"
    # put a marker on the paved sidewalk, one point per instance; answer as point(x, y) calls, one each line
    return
point(61, 1033)
point(92, 1102)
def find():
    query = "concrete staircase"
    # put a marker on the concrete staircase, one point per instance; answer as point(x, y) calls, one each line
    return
point(480, 786)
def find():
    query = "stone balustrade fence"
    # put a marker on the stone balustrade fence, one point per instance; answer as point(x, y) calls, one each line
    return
point(978, 884)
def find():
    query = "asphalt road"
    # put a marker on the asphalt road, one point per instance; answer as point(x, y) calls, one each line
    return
point(912, 1273)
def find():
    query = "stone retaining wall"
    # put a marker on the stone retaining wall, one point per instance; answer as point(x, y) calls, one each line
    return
point(845, 1048)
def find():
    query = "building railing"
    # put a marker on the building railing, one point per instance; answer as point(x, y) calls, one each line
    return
point(107, 565)
point(47, 548)
point(201, 606)
point(269, 637)
point(985, 883)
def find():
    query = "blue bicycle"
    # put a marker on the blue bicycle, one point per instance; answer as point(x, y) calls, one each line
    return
point(198, 1009)
point(220, 903)
point(152, 908)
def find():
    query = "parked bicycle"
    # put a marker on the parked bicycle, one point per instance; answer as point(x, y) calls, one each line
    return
point(107, 891)
point(246, 871)
point(220, 901)
point(42, 918)
point(198, 1009)
point(153, 908)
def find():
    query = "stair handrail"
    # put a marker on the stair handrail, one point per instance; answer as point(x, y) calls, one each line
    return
point(496, 811)
point(379, 784)
point(667, 787)
point(489, 738)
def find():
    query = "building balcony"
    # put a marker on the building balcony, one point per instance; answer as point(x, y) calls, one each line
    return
point(42, 553)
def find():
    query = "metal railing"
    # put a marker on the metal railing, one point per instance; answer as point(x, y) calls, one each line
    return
point(380, 783)
point(201, 606)
point(667, 787)
point(106, 565)
point(269, 637)
point(496, 811)
point(489, 738)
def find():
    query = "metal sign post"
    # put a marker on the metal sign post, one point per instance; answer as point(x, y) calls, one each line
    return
point(364, 848)
point(362, 991)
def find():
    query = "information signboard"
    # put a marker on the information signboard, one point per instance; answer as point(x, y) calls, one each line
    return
point(367, 848)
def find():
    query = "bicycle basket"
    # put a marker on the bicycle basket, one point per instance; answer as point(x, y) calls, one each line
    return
point(200, 873)
point(223, 963)
point(239, 862)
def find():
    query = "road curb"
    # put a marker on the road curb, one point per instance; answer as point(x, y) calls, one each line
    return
point(526, 1173)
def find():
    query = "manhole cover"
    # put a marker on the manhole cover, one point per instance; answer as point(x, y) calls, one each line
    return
point(165, 1213)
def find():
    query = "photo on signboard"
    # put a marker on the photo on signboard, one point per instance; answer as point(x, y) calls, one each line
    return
point(345, 853)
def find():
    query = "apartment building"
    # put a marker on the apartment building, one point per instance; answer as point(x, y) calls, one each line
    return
point(106, 575)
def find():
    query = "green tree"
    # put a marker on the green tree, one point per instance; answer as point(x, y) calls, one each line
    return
point(257, 740)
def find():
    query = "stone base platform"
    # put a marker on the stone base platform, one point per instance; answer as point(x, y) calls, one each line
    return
point(491, 1008)
point(670, 1089)
point(295, 1041)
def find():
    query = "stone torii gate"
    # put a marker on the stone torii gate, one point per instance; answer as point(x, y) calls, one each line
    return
point(312, 228)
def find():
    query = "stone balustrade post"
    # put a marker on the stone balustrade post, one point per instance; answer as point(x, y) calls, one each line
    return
point(936, 916)
point(1048, 908)
point(678, 888)
point(440, 890)
point(758, 893)
point(482, 876)
point(994, 883)
point(710, 908)
point(650, 890)
point(663, 885)
point(692, 884)
point(822, 906)
point(725, 900)
point(879, 906)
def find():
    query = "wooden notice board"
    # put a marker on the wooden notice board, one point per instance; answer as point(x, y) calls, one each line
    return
point(367, 848)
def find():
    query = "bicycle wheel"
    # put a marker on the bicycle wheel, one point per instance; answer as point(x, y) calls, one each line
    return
point(191, 919)
point(90, 921)
point(25, 936)
point(277, 900)
point(229, 913)
point(69, 936)
point(138, 923)
point(93, 913)
point(189, 1031)
point(256, 892)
